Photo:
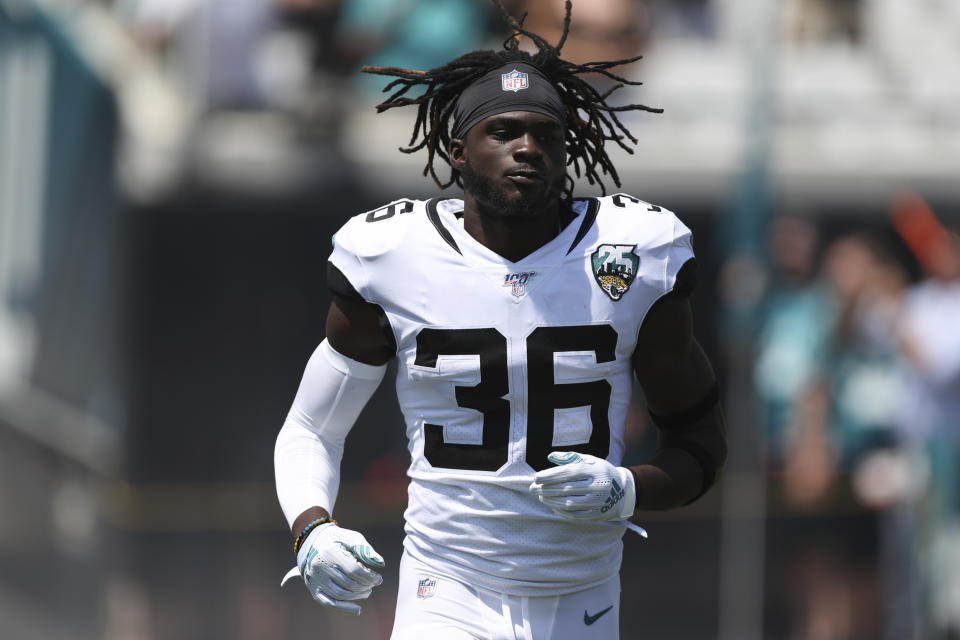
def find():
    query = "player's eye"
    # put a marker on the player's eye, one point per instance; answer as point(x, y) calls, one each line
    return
point(550, 134)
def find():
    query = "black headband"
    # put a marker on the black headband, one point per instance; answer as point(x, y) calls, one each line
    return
point(515, 86)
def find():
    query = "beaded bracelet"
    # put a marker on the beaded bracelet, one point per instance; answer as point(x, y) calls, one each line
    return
point(307, 529)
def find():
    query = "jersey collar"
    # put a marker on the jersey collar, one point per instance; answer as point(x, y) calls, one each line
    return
point(584, 208)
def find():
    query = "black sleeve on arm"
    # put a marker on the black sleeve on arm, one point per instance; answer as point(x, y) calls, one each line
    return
point(342, 289)
point(686, 280)
point(339, 285)
point(696, 432)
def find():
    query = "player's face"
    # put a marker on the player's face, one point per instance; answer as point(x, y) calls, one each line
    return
point(513, 163)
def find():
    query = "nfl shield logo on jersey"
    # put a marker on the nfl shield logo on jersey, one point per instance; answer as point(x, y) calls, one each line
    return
point(426, 587)
point(615, 268)
point(514, 81)
point(518, 282)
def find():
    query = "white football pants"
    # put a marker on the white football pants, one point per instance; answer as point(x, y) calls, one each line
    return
point(441, 608)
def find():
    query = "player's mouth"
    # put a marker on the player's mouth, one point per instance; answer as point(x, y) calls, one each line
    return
point(525, 177)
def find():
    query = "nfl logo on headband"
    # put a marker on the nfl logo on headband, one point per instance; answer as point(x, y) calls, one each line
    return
point(514, 81)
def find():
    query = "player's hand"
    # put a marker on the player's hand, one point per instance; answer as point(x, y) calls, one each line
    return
point(337, 566)
point(585, 487)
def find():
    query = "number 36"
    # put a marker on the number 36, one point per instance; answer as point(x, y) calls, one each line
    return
point(543, 393)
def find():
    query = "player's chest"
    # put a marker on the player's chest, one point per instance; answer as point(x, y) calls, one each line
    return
point(577, 289)
point(538, 322)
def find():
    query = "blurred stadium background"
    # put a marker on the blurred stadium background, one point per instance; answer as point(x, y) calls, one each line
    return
point(171, 172)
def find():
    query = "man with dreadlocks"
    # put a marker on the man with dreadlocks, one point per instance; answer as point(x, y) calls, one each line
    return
point(517, 317)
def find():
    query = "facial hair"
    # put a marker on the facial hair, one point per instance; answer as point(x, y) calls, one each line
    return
point(496, 199)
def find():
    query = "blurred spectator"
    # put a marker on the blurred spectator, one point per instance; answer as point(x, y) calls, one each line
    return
point(827, 366)
point(211, 46)
point(931, 347)
point(788, 377)
point(864, 392)
point(868, 285)
point(682, 18)
point(808, 21)
point(246, 55)
point(609, 30)
point(828, 378)
point(415, 34)
point(793, 339)
point(317, 20)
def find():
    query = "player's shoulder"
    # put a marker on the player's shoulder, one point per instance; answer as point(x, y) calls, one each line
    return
point(381, 229)
point(648, 223)
point(632, 208)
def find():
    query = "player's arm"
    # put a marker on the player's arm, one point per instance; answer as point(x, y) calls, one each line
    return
point(683, 399)
point(358, 330)
point(354, 330)
point(339, 380)
point(682, 393)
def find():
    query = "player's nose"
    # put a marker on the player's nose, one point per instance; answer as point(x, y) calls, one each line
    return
point(527, 147)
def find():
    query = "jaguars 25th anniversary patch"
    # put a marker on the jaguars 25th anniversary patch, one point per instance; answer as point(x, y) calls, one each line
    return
point(615, 268)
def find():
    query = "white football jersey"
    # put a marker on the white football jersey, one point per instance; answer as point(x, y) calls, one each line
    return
point(501, 363)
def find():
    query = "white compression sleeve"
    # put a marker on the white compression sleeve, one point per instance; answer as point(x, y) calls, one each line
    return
point(332, 393)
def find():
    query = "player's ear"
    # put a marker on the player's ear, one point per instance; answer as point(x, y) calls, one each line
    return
point(457, 154)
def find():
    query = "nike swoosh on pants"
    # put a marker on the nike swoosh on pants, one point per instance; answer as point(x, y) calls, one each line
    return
point(590, 619)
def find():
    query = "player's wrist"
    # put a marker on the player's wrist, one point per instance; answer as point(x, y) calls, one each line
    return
point(637, 489)
point(305, 518)
point(311, 540)
point(629, 502)
point(300, 542)
point(586, 487)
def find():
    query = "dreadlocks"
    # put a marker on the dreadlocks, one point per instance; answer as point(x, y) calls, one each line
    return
point(590, 120)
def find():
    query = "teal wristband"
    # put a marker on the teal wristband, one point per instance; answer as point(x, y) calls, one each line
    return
point(307, 529)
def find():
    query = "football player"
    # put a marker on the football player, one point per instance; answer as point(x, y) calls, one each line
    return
point(518, 317)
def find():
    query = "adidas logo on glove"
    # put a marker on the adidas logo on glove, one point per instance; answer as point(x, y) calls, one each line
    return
point(616, 495)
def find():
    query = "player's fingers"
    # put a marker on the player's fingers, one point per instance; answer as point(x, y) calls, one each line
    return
point(356, 595)
point(566, 504)
point(356, 545)
point(575, 513)
point(332, 587)
point(355, 571)
point(328, 578)
point(327, 601)
point(342, 572)
point(365, 554)
point(566, 473)
point(358, 577)
point(564, 457)
point(579, 488)
point(353, 576)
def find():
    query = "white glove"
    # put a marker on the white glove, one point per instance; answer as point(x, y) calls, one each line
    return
point(336, 567)
point(585, 487)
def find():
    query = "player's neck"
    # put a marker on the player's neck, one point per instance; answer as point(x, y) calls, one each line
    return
point(513, 237)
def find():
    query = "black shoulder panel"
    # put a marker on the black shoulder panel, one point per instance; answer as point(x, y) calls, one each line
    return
point(341, 288)
point(339, 285)
point(686, 280)
point(593, 207)
point(434, 218)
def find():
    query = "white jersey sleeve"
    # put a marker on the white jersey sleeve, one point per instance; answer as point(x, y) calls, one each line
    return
point(361, 242)
point(668, 245)
point(309, 447)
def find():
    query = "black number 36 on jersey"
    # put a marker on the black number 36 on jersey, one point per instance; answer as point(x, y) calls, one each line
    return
point(543, 393)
